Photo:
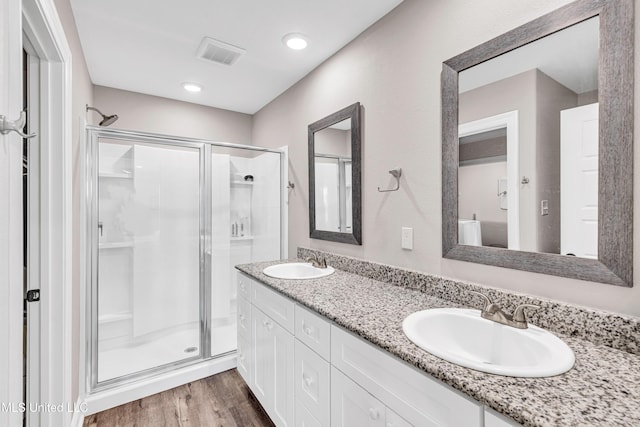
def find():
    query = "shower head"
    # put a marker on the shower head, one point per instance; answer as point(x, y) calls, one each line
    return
point(106, 120)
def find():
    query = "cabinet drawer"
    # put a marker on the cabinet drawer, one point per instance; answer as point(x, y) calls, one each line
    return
point(244, 318)
point(244, 286)
point(395, 420)
point(274, 305)
point(419, 399)
point(314, 331)
point(494, 419)
point(312, 383)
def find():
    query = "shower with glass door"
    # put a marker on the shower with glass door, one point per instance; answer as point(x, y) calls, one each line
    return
point(168, 219)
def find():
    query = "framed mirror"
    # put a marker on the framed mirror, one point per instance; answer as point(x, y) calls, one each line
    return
point(334, 177)
point(537, 155)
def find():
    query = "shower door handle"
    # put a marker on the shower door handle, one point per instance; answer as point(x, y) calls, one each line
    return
point(16, 126)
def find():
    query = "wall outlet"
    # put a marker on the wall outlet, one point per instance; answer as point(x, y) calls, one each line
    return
point(407, 238)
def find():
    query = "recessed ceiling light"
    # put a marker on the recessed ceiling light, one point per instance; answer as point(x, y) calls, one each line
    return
point(192, 87)
point(295, 41)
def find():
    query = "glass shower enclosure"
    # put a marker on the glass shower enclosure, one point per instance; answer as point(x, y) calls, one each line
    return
point(168, 218)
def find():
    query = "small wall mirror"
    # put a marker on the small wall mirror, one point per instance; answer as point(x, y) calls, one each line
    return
point(334, 177)
point(537, 146)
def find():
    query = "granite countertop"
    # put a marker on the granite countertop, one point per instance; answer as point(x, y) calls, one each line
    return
point(603, 388)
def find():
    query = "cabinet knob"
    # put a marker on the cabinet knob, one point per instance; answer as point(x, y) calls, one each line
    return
point(242, 317)
point(267, 324)
point(307, 329)
point(374, 413)
point(307, 380)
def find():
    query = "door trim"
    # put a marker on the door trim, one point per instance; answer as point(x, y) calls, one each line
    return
point(43, 27)
point(509, 121)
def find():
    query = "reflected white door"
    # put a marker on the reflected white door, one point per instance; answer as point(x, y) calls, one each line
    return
point(11, 274)
point(579, 181)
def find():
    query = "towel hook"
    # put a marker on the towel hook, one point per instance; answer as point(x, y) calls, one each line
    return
point(396, 173)
point(16, 126)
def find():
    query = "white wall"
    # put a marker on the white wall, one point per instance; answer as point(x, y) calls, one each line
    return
point(146, 113)
point(82, 93)
point(393, 69)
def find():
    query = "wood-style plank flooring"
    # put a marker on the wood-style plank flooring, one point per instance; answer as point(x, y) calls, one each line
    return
point(220, 400)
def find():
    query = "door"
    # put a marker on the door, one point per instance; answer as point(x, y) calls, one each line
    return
point(579, 181)
point(11, 244)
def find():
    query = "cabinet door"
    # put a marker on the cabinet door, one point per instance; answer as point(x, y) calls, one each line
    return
point(312, 388)
point(352, 405)
point(244, 318)
point(244, 360)
point(263, 358)
point(273, 368)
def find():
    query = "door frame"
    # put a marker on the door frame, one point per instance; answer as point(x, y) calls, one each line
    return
point(42, 26)
point(509, 121)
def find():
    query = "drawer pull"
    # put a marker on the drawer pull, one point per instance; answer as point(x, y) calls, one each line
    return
point(242, 317)
point(374, 413)
point(267, 324)
point(307, 380)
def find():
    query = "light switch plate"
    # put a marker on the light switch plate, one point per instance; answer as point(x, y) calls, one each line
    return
point(407, 238)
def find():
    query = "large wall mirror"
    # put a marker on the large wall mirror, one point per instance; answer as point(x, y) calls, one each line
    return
point(538, 145)
point(334, 177)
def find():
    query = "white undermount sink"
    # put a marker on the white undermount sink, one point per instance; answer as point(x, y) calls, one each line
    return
point(462, 337)
point(297, 270)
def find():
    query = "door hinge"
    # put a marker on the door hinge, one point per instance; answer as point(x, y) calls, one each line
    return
point(33, 295)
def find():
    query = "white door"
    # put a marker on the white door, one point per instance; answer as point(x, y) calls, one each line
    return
point(11, 270)
point(579, 181)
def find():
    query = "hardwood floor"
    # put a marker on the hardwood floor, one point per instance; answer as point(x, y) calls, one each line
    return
point(220, 400)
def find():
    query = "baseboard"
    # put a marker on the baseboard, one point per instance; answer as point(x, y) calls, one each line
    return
point(102, 400)
point(78, 415)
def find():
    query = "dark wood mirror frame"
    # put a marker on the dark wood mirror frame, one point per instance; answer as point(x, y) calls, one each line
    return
point(355, 237)
point(615, 174)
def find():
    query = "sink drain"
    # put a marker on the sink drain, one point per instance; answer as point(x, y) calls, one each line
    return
point(190, 349)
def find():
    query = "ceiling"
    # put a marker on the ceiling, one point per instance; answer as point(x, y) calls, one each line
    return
point(149, 46)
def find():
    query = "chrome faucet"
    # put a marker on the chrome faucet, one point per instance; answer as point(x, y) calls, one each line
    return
point(319, 262)
point(493, 312)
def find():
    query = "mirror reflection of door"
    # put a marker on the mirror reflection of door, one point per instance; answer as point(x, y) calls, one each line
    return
point(333, 192)
point(549, 83)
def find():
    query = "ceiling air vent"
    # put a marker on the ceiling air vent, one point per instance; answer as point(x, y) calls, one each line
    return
point(220, 52)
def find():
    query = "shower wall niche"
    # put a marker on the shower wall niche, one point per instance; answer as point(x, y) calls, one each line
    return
point(169, 219)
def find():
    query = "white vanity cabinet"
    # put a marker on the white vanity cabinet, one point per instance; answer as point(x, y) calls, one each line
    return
point(272, 360)
point(416, 397)
point(308, 372)
point(312, 374)
point(265, 355)
point(354, 406)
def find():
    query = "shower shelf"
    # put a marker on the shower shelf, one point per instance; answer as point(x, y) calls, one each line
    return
point(116, 245)
point(235, 239)
point(241, 182)
point(115, 317)
point(118, 175)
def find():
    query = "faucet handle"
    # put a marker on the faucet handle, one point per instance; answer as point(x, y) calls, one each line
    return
point(487, 301)
point(519, 315)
